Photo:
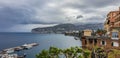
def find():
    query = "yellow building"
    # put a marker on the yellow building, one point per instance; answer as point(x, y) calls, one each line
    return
point(87, 32)
point(106, 26)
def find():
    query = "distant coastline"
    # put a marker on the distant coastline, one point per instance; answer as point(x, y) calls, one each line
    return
point(62, 28)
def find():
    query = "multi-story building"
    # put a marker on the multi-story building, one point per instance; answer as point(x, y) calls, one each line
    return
point(112, 23)
point(112, 41)
point(117, 18)
point(111, 20)
point(106, 25)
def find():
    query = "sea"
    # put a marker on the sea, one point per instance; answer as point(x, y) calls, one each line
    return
point(8, 40)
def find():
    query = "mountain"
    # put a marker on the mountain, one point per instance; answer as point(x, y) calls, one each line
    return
point(61, 28)
point(90, 26)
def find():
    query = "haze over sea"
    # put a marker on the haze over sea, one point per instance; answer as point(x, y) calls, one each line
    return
point(8, 40)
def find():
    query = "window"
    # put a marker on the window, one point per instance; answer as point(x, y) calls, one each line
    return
point(115, 44)
point(103, 43)
point(85, 42)
point(114, 34)
point(112, 44)
point(95, 41)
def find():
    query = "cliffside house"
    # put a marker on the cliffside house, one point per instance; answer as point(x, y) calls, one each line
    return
point(112, 38)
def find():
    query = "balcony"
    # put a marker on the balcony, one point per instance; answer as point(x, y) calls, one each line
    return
point(115, 38)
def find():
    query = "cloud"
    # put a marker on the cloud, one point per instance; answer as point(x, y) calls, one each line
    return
point(19, 14)
point(26, 27)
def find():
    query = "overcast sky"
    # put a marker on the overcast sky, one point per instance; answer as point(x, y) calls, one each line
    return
point(23, 15)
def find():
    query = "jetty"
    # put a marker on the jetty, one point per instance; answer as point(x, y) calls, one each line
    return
point(8, 53)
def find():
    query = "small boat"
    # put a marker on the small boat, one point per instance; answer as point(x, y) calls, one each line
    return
point(22, 56)
point(34, 44)
point(9, 56)
point(26, 46)
point(18, 48)
point(10, 50)
point(76, 38)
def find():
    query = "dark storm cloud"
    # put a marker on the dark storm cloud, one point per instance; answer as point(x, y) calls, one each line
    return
point(23, 12)
point(14, 16)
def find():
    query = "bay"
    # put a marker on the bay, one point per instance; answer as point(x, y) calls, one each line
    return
point(8, 40)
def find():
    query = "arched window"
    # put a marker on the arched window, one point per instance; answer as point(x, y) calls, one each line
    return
point(103, 43)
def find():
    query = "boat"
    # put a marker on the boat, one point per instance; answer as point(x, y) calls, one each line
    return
point(34, 44)
point(76, 38)
point(10, 50)
point(27, 46)
point(9, 56)
point(18, 48)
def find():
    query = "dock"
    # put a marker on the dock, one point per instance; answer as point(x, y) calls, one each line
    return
point(7, 53)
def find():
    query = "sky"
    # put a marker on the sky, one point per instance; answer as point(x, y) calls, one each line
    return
point(24, 15)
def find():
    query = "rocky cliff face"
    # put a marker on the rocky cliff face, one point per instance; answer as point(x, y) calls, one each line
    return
point(61, 28)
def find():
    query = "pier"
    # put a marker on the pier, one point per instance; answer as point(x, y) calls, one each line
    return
point(7, 53)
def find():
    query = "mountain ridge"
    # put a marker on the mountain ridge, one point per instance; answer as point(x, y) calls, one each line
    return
point(61, 28)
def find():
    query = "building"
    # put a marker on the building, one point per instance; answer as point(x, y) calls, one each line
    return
point(117, 18)
point(105, 42)
point(91, 41)
point(106, 25)
point(87, 32)
point(112, 40)
point(112, 20)
point(112, 23)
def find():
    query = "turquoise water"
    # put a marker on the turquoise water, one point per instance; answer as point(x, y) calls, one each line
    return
point(8, 40)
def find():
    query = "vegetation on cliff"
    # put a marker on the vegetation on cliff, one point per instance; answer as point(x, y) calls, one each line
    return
point(73, 52)
point(77, 52)
point(61, 28)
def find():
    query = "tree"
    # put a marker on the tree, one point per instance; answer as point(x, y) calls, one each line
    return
point(101, 32)
point(43, 54)
point(86, 54)
point(54, 52)
point(113, 53)
point(73, 52)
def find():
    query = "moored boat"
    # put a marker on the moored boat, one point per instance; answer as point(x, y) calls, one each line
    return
point(27, 46)
point(10, 50)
